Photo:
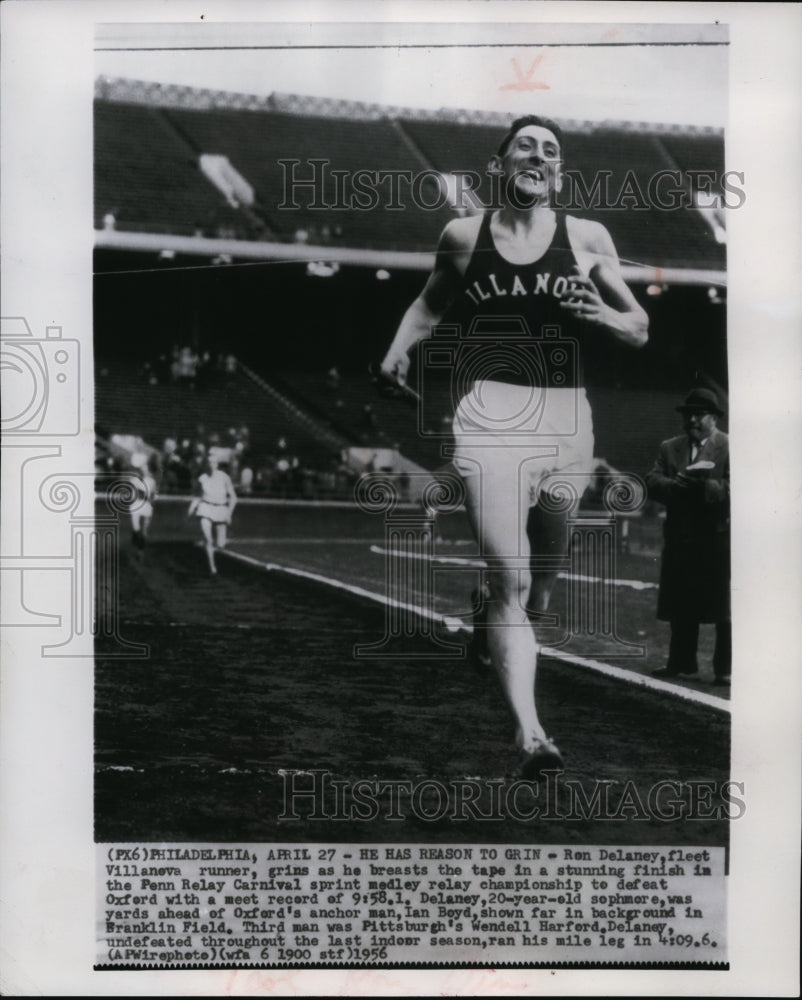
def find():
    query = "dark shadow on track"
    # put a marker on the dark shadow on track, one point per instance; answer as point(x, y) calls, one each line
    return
point(252, 674)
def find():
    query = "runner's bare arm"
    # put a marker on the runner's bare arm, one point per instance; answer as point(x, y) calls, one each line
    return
point(599, 295)
point(231, 496)
point(196, 499)
point(429, 307)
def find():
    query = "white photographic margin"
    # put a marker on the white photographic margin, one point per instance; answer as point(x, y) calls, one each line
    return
point(46, 736)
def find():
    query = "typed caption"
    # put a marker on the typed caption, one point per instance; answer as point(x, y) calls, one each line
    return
point(271, 905)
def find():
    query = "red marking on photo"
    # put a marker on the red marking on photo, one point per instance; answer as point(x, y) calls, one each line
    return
point(523, 80)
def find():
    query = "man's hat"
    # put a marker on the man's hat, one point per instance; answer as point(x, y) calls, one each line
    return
point(701, 400)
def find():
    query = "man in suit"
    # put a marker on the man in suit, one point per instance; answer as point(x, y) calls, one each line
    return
point(692, 478)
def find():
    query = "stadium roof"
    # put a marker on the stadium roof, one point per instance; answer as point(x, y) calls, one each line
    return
point(199, 98)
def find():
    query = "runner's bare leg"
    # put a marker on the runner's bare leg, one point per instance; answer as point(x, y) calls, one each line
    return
point(221, 535)
point(206, 528)
point(498, 517)
point(548, 536)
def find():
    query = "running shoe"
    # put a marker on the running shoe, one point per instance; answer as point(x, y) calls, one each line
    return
point(541, 757)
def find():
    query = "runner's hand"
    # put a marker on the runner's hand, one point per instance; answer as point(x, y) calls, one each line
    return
point(584, 300)
point(390, 386)
point(395, 367)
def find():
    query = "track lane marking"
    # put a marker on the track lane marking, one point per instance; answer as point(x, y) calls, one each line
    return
point(480, 564)
point(454, 624)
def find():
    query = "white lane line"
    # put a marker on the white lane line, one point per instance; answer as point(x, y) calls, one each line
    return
point(454, 624)
point(632, 584)
point(302, 539)
point(347, 504)
point(221, 628)
point(640, 680)
point(480, 564)
point(448, 560)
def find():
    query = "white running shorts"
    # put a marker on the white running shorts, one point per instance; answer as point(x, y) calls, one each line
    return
point(512, 431)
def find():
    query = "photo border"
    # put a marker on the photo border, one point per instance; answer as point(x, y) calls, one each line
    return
point(48, 865)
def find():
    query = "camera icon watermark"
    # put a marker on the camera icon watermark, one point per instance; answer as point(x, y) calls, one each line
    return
point(410, 562)
point(503, 351)
point(41, 381)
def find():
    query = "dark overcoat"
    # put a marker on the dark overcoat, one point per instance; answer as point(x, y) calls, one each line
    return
point(695, 570)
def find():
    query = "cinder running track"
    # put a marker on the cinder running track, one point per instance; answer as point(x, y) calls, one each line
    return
point(252, 674)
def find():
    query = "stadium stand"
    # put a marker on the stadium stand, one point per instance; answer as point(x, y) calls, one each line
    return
point(256, 142)
point(625, 423)
point(647, 235)
point(392, 423)
point(290, 326)
point(697, 152)
point(147, 179)
point(643, 233)
point(147, 172)
point(126, 401)
point(452, 147)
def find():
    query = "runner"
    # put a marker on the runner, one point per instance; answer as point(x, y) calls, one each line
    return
point(142, 515)
point(524, 286)
point(214, 507)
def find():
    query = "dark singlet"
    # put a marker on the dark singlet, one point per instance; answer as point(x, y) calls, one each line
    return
point(511, 326)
